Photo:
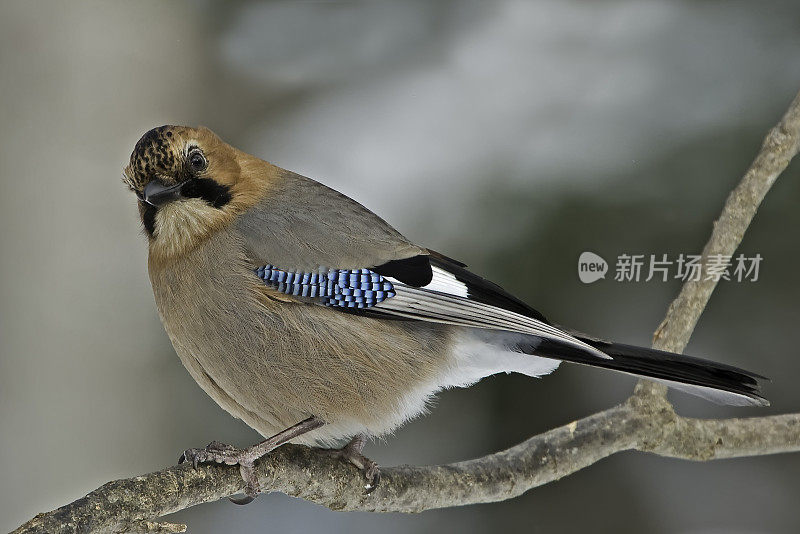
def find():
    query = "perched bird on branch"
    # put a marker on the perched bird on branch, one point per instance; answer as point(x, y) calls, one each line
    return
point(310, 318)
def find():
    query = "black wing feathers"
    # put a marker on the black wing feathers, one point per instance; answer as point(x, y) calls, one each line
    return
point(482, 290)
point(415, 271)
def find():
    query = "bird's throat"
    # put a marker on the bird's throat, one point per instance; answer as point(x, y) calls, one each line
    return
point(178, 227)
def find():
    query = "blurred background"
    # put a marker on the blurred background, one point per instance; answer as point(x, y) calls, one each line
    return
point(512, 135)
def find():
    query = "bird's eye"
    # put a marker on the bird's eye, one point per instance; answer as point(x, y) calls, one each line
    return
point(197, 160)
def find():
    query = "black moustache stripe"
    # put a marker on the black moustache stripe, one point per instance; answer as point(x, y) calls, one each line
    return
point(148, 213)
point(209, 190)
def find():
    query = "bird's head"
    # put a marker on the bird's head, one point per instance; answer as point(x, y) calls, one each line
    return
point(189, 183)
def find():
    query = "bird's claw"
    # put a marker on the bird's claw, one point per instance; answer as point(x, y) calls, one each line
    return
point(373, 475)
point(213, 452)
point(351, 453)
point(241, 501)
point(229, 455)
point(191, 456)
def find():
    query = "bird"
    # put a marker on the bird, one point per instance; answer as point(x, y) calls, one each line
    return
point(311, 319)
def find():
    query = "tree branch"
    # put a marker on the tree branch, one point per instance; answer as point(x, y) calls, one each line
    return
point(779, 147)
point(645, 422)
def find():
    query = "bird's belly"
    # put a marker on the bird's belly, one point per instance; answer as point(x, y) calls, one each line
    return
point(273, 363)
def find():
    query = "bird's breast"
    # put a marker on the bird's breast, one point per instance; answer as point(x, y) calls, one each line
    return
point(221, 330)
point(273, 363)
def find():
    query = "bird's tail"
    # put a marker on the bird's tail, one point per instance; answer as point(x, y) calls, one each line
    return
point(717, 382)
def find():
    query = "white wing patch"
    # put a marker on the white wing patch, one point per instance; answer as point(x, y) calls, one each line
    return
point(445, 282)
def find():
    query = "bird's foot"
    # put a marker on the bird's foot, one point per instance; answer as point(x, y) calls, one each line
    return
point(230, 455)
point(351, 453)
point(245, 458)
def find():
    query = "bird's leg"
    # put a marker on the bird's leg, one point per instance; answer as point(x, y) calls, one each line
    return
point(245, 458)
point(351, 453)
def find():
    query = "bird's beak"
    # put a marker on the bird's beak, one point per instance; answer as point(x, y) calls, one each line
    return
point(156, 193)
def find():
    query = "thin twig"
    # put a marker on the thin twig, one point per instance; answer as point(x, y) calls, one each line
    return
point(779, 147)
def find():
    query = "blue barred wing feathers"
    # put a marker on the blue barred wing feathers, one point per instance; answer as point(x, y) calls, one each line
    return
point(341, 288)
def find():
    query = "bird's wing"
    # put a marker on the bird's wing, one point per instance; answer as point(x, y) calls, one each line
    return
point(316, 245)
point(427, 287)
